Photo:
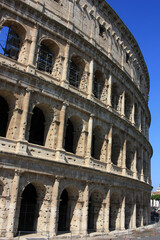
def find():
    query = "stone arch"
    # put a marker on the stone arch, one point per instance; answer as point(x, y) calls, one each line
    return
point(40, 123)
point(129, 155)
point(98, 138)
point(13, 37)
point(74, 129)
point(116, 150)
point(31, 201)
point(98, 84)
point(114, 213)
point(116, 97)
point(129, 207)
point(76, 70)
point(95, 211)
point(47, 53)
point(128, 106)
point(68, 207)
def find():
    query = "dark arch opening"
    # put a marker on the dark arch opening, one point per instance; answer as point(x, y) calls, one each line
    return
point(69, 137)
point(45, 59)
point(90, 216)
point(10, 43)
point(28, 209)
point(3, 116)
point(63, 222)
point(116, 149)
point(98, 84)
point(95, 205)
point(36, 135)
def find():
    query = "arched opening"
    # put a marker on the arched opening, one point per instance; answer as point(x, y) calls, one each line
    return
point(3, 116)
point(10, 42)
point(95, 211)
point(45, 59)
point(116, 149)
point(129, 155)
point(74, 74)
point(128, 107)
point(76, 70)
point(63, 212)
point(115, 99)
point(28, 210)
point(68, 210)
point(114, 213)
point(97, 142)
point(98, 84)
point(36, 134)
point(136, 116)
point(128, 211)
point(73, 138)
point(138, 162)
point(69, 137)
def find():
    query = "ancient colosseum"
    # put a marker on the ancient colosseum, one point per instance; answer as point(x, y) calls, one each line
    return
point(74, 120)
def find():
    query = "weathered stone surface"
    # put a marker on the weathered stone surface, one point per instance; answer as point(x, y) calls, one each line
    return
point(76, 132)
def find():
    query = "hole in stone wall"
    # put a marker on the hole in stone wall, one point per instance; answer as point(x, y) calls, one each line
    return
point(37, 127)
point(63, 212)
point(69, 137)
point(28, 209)
point(3, 116)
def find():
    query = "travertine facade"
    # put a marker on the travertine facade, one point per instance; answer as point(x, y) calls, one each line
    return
point(74, 119)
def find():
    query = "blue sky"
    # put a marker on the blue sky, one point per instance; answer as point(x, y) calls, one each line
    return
point(142, 17)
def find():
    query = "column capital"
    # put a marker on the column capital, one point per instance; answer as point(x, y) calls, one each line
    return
point(65, 103)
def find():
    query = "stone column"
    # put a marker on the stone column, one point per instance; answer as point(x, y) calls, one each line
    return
point(123, 104)
point(109, 149)
point(32, 52)
point(124, 156)
point(84, 224)
point(13, 120)
point(91, 79)
point(23, 123)
point(142, 165)
point(133, 112)
point(122, 56)
point(140, 120)
point(122, 217)
point(109, 49)
point(60, 139)
point(64, 81)
point(89, 140)
point(53, 223)
point(11, 231)
point(61, 126)
point(106, 212)
point(133, 223)
point(22, 143)
point(33, 46)
point(109, 99)
point(135, 163)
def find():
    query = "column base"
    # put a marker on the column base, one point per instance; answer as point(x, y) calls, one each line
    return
point(22, 147)
point(60, 155)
